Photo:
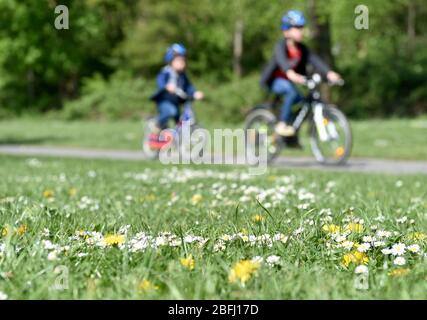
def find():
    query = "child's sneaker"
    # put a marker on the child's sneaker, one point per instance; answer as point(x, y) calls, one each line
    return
point(284, 130)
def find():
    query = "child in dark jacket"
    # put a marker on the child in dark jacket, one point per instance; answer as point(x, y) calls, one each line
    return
point(288, 66)
point(173, 86)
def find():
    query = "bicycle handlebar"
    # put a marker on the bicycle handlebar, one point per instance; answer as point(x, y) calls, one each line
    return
point(316, 79)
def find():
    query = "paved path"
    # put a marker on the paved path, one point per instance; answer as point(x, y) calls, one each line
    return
point(355, 165)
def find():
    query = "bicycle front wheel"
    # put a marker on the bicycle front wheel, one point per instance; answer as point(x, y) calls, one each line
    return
point(260, 133)
point(331, 137)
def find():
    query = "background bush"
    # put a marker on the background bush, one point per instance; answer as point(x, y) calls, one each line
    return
point(121, 96)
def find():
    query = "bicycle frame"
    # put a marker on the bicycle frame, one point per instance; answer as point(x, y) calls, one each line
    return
point(312, 100)
point(187, 114)
point(313, 108)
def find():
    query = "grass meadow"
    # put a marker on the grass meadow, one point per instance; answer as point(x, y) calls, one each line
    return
point(141, 230)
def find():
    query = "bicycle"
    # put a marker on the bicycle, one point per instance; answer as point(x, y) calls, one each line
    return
point(171, 138)
point(329, 130)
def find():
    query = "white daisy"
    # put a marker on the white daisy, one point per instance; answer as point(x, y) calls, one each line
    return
point(386, 251)
point(414, 248)
point(364, 247)
point(273, 260)
point(339, 237)
point(399, 261)
point(402, 220)
point(380, 218)
point(361, 269)
point(383, 234)
point(298, 231)
point(368, 239)
point(52, 256)
point(219, 246)
point(379, 244)
point(398, 249)
point(258, 259)
point(347, 245)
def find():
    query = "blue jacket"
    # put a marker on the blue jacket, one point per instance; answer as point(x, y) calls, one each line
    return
point(168, 75)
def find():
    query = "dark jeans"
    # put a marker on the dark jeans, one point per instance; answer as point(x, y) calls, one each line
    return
point(291, 96)
point(167, 110)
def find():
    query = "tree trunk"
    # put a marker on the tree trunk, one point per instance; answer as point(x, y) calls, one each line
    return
point(411, 32)
point(30, 86)
point(238, 48)
point(321, 36)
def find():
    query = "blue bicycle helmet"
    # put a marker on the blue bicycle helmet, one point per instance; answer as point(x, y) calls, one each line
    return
point(293, 18)
point(174, 50)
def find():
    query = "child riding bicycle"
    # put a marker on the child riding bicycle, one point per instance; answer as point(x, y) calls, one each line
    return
point(173, 86)
point(288, 67)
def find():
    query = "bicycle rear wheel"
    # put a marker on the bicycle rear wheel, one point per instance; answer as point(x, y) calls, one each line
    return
point(331, 137)
point(150, 151)
point(262, 135)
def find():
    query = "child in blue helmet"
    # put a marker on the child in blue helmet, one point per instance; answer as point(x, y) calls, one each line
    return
point(288, 66)
point(173, 86)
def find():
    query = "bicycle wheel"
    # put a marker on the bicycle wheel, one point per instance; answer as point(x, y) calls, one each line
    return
point(331, 137)
point(263, 121)
point(153, 143)
point(151, 151)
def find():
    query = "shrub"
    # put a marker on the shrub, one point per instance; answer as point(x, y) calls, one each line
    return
point(121, 96)
point(230, 101)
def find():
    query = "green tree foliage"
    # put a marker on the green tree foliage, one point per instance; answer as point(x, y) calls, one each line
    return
point(41, 67)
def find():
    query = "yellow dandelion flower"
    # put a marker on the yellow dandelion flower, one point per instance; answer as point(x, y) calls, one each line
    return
point(242, 271)
point(196, 199)
point(257, 218)
point(355, 257)
point(151, 197)
point(148, 198)
point(331, 228)
point(354, 227)
point(417, 236)
point(72, 192)
point(146, 285)
point(188, 262)
point(347, 259)
point(22, 229)
point(48, 194)
point(361, 257)
point(114, 239)
point(5, 231)
point(399, 272)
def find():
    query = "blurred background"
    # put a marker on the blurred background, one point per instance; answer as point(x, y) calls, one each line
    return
point(103, 67)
